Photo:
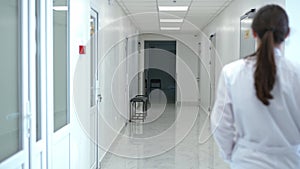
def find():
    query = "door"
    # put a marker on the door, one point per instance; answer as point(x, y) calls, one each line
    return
point(160, 64)
point(247, 41)
point(58, 84)
point(15, 103)
point(94, 92)
point(37, 94)
point(212, 70)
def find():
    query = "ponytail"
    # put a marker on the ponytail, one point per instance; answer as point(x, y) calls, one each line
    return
point(265, 73)
point(271, 24)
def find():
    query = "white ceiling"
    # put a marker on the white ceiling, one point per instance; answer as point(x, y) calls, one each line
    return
point(146, 16)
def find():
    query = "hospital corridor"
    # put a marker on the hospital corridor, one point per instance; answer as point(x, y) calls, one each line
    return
point(120, 84)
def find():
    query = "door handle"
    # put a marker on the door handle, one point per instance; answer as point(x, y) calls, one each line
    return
point(100, 97)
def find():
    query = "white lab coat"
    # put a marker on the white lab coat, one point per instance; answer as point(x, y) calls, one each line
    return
point(249, 134)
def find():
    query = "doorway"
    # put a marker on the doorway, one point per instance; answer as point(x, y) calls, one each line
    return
point(160, 68)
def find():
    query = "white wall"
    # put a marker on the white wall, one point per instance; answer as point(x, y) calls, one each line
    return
point(133, 66)
point(293, 41)
point(79, 35)
point(112, 54)
point(227, 29)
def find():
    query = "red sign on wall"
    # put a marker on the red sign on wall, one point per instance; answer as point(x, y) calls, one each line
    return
point(82, 49)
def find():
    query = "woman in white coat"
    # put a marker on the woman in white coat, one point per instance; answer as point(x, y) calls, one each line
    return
point(256, 116)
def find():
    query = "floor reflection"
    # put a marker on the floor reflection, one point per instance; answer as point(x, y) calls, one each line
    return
point(157, 144)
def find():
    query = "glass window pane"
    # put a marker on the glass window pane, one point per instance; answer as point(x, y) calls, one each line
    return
point(38, 75)
point(60, 40)
point(10, 112)
point(93, 61)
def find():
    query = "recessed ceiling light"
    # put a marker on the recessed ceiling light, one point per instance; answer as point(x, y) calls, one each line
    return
point(173, 8)
point(170, 28)
point(60, 8)
point(172, 20)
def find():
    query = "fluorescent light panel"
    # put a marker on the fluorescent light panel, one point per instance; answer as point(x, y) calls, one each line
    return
point(170, 28)
point(173, 8)
point(60, 8)
point(172, 20)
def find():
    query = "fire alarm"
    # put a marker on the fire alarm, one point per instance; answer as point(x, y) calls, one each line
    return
point(82, 49)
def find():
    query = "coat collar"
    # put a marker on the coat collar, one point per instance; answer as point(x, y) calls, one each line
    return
point(277, 53)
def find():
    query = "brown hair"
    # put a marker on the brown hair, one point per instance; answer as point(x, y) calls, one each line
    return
point(272, 26)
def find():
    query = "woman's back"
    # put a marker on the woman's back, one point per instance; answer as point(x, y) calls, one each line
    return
point(277, 124)
point(265, 136)
point(256, 116)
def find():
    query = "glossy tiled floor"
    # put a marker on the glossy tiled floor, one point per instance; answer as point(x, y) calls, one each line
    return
point(177, 139)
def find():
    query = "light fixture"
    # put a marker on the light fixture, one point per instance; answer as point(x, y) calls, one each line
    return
point(60, 8)
point(173, 8)
point(170, 28)
point(172, 20)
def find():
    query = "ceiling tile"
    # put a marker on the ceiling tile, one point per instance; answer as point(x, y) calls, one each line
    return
point(146, 17)
point(144, 9)
point(140, 4)
point(149, 26)
point(208, 3)
point(203, 9)
point(136, 1)
point(211, 0)
point(174, 2)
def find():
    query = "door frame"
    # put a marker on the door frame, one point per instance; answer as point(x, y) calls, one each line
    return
point(147, 61)
point(199, 72)
point(212, 63)
point(37, 62)
point(21, 158)
point(54, 137)
point(95, 14)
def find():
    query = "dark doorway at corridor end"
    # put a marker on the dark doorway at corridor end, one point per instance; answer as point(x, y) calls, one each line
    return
point(160, 68)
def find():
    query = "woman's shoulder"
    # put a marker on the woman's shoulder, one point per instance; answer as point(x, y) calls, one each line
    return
point(290, 66)
point(237, 66)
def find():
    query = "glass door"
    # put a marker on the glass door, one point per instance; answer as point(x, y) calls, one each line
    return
point(37, 83)
point(95, 97)
point(14, 104)
point(60, 64)
point(58, 84)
